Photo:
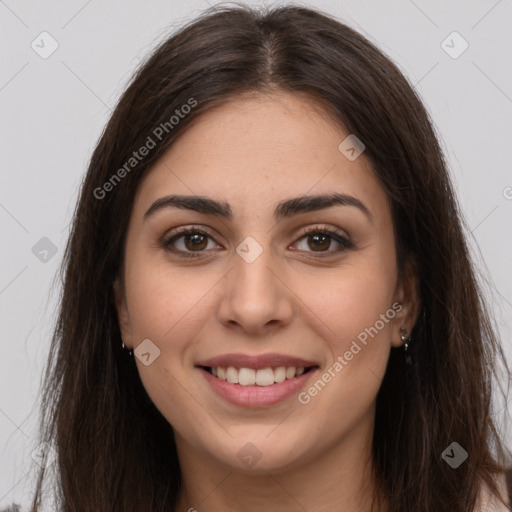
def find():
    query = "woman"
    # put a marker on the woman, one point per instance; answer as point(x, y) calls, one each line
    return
point(268, 300)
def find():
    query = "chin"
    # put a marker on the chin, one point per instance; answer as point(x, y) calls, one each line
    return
point(257, 455)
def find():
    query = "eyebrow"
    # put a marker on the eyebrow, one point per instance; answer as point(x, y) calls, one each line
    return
point(284, 209)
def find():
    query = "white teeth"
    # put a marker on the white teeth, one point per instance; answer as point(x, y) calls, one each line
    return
point(247, 376)
point(265, 377)
point(232, 375)
point(280, 374)
point(251, 377)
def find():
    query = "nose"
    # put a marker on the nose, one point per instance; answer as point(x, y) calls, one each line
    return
point(255, 298)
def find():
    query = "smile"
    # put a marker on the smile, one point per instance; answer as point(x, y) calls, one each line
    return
point(256, 388)
point(250, 376)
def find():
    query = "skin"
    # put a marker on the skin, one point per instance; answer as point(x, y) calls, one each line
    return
point(252, 152)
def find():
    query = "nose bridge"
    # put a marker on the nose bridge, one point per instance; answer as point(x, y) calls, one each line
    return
point(254, 296)
point(252, 269)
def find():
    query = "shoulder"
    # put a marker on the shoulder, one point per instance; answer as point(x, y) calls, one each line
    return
point(487, 502)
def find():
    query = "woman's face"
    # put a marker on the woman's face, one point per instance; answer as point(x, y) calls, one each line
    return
point(258, 287)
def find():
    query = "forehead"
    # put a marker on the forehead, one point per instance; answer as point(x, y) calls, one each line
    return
point(255, 150)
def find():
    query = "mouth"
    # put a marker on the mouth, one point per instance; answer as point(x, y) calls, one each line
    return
point(256, 381)
point(263, 377)
point(259, 380)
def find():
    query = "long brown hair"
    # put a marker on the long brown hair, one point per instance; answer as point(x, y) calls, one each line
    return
point(116, 452)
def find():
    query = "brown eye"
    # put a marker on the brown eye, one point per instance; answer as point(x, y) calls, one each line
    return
point(319, 241)
point(189, 242)
point(196, 241)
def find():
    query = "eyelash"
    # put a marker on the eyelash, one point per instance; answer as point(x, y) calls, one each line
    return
point(336, 235)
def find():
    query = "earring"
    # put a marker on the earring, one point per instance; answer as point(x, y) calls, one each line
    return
point(406, 340)
point(130, 352)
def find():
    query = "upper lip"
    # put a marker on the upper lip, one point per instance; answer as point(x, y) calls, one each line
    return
point(257, 362)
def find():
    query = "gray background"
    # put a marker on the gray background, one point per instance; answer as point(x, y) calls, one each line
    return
point(53, 111)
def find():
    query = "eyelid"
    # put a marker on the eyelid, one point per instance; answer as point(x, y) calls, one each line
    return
point(325, 228)
point(180, 230)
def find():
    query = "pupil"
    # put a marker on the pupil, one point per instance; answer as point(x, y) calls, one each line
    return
point(196, 238)
point(317, 237)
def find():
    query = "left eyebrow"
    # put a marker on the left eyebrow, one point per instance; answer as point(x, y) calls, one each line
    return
point(311, 203)
point(284, 209)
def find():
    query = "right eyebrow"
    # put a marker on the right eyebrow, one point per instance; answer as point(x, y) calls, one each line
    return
point(199, 204)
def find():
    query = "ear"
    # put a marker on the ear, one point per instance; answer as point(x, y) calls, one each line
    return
point(123, 316)
point(407, 296)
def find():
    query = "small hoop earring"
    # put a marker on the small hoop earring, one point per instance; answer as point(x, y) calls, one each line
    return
point(406, 341)
point(130, 352)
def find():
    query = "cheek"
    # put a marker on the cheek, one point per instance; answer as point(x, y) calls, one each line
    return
point(355, 303)
point(359, 314)
point(163, 300)
point(167, 309)
point(350, 299)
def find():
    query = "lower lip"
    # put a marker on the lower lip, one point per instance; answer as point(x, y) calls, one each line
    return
point(256, 396)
